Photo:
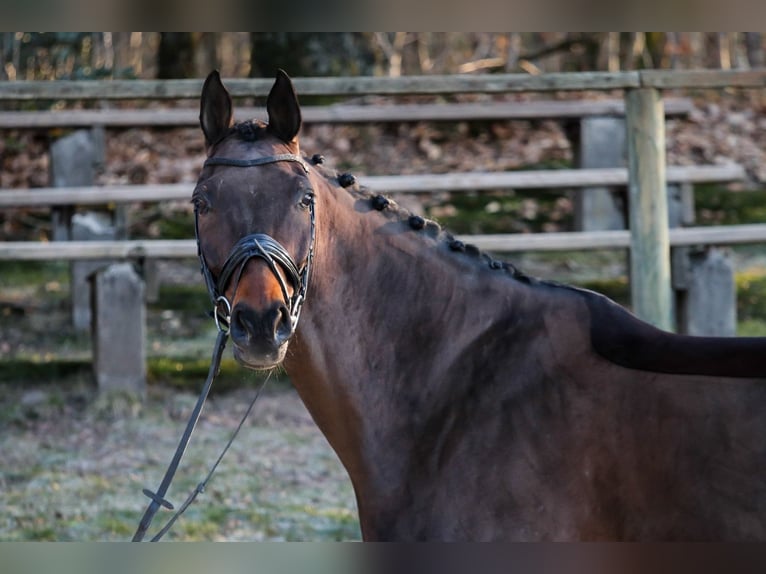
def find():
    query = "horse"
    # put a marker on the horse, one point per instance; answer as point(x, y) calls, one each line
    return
point(467, 400)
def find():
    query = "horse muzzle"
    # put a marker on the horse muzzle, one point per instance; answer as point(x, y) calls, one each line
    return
point(260, 338)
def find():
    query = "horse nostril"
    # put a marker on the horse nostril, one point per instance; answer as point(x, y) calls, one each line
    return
point(283, 325)
point(275, 324)
point(243, 322)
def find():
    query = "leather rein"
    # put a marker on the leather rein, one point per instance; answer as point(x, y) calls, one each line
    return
point(276, 256)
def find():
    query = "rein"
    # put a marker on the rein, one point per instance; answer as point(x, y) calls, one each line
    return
point(253, 245)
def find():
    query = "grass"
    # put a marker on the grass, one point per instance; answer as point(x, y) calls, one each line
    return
point(751, 295)
point(117, 524)
point(32, 273)
point(73, 473)
point(183, 298)
point(53, 369)
point(717, 205)
point(506, 212)
point(181, 373)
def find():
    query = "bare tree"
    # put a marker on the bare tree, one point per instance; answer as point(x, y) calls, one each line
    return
point(392, 44)
point(7, 49)
point(513, 52)
point(205, 52)
point(312, 53)
point(613, 52)
point(754, 49)
point(175, 55)
point(724, 51)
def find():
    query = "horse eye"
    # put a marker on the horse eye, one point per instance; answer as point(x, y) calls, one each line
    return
point(307, 199)
point(200, 205)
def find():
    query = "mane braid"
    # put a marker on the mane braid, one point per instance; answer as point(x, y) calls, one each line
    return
point(252, 130)
point(396, 212)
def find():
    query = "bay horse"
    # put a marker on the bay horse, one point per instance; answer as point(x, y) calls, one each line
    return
point(467, 400)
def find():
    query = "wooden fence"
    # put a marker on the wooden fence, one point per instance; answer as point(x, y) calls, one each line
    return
point(646, 175)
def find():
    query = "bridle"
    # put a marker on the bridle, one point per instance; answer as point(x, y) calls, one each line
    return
point(253, 245)
point(258, 245)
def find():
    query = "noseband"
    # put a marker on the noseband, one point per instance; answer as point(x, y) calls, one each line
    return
point(257, 245)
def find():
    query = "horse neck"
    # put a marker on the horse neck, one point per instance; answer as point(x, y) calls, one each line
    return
point(371, 348)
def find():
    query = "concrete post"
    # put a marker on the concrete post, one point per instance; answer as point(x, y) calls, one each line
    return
point(708, 304)
point(73, 160)
point(602, 144)
point(86, 226)
point(119, 329)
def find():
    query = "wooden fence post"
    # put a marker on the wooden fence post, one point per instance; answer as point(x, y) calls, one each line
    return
point(648, 208)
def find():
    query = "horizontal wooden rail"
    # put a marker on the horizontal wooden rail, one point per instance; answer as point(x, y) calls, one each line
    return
point(339, 113)
point(468, 181)
point(589, 240)
point(81, 250)
point(569, 241)
point(403, 85)
point(327, 86)
point(669, 79)
point(542, 179)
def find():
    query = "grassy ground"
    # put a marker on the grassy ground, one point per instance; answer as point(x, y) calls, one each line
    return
point(74, 465)
point(73, 462)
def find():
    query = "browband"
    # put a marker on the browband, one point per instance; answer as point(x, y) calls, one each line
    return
point(216, 160)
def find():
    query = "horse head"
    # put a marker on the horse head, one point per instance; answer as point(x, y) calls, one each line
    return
point(254, 217)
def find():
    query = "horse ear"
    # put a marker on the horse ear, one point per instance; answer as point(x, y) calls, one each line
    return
point(215, 116)
point(284, 111)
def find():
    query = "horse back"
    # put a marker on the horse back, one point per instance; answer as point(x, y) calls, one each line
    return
point(621, 338)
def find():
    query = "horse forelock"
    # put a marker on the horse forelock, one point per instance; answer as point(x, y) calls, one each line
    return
point(249, 130)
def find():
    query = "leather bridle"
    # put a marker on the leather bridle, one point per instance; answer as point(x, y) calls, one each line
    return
point(258, 245)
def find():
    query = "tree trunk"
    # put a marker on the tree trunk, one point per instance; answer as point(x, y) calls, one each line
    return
point(206, 53)
point(724, 52)
point(613, 52)
point(311, 53)
point(122, 64)
point(4, 42)
point(513, 52)
point(175, 56)
point(754, 47)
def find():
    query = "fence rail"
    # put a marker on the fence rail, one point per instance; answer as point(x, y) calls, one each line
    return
point(502, 243)
point(425, 183)
point(338, 113)
point(644, 109)
point(403, 85)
